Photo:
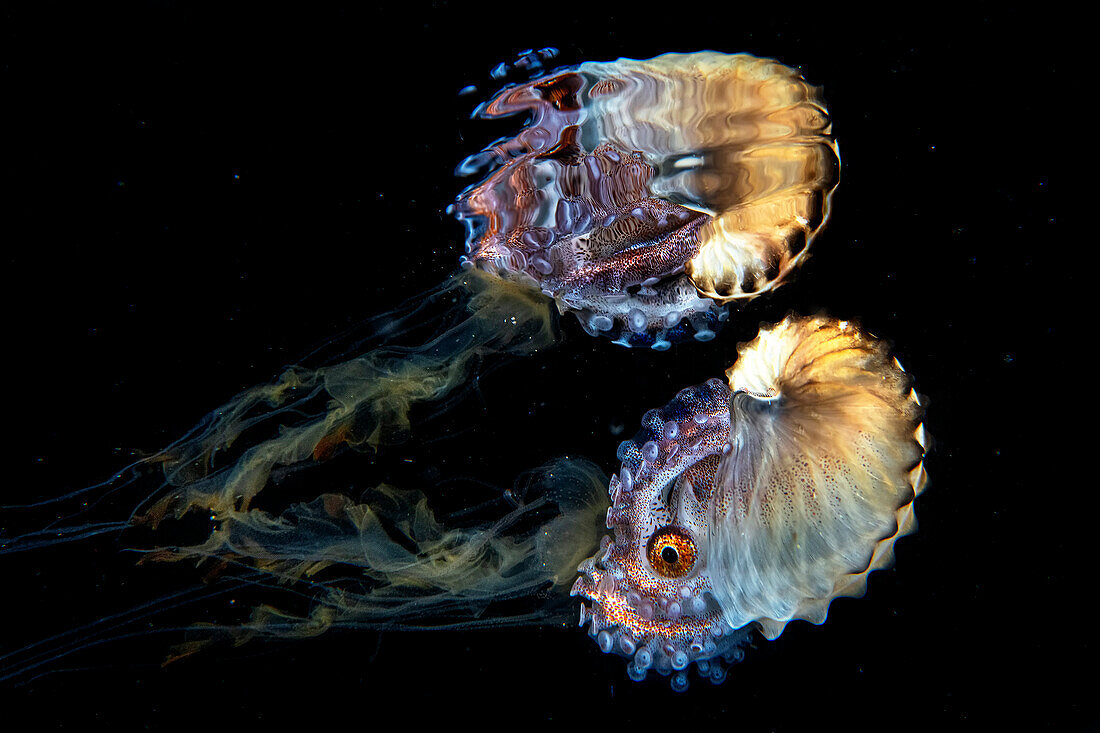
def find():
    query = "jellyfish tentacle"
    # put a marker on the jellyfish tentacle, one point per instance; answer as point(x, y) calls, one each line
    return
point(308, 414)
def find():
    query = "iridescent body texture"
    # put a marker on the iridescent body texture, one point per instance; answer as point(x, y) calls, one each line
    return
point(643, 195)
point(747, 506)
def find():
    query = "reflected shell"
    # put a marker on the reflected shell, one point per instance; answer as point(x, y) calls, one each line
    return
point(641, 195)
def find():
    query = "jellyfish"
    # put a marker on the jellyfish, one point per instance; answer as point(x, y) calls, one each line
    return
point(746, 505)
point(642, 197)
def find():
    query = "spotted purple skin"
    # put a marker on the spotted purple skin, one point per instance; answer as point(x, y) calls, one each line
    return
point(665, 484)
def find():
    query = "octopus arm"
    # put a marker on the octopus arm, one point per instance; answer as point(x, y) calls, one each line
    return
point(825, 459)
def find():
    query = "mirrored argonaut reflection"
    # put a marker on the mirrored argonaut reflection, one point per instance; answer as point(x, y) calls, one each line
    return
point(745, 506)
point(643, 195)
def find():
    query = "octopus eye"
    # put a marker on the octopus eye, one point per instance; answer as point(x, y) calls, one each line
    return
point(671, 552)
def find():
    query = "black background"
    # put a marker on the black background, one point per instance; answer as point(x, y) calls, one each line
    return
point(198, 196)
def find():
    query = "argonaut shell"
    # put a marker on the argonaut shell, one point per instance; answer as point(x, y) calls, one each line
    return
point(827, 458)
point(642, 194)
point(753, 504)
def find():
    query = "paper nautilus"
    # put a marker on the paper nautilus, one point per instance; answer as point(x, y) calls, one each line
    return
point(754, 503)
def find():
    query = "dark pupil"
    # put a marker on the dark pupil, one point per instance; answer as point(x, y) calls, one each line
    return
point(669, 555)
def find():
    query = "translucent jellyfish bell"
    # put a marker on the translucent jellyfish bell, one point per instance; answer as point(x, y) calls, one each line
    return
point(643, 195)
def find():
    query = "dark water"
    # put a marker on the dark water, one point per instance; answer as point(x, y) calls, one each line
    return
point(208, 194)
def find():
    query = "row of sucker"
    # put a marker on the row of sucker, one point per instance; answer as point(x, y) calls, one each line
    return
point(665, 478)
